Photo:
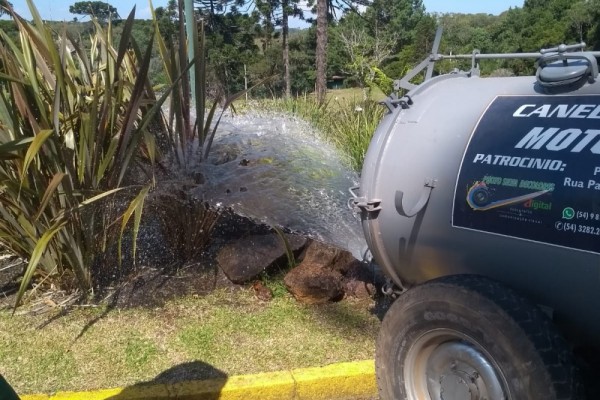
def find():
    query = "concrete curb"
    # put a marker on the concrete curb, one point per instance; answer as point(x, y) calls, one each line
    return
point(353, 380)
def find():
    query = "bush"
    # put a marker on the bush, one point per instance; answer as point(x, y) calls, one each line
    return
point(73, 122)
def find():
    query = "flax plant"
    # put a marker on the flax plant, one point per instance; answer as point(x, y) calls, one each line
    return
point(72, 123)
point(191, 126)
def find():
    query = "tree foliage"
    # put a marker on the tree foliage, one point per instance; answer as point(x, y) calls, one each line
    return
point(94, 9)
point(248, 39)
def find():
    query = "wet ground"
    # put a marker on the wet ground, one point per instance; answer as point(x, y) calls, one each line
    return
point(157, 277)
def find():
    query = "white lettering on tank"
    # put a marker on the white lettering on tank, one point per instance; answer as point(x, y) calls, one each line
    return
point(578, 111)
point(595, 114)
point(563, 139)
point(519, 112)
point(536, 138)
point(590, 135)
point(562, 111)
point(582, 111)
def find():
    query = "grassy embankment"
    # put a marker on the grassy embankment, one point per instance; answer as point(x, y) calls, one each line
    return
point(230, 332)
point(224, 333)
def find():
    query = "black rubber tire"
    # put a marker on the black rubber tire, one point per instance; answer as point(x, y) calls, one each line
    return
point(519, 340)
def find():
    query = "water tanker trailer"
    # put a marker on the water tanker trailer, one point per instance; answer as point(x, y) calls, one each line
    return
point(480, 200)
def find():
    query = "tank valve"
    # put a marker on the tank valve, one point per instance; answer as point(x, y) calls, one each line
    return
point(361, 204)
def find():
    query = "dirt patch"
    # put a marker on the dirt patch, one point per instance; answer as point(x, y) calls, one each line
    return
point(158, 275)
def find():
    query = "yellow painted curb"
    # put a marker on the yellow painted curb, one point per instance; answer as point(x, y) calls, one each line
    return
point(338, 381)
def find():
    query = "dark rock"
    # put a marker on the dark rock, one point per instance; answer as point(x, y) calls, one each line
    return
point(261, 291)
point(310, 283)
point(329, 257)
point(359, 289)
point(328, 273)
point(244, 259)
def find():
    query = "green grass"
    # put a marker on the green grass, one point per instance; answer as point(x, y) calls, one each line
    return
point(346, 119)
point(352, 95)
point(233, 332)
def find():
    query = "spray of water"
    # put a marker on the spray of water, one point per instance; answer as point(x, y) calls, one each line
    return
point(276, 170)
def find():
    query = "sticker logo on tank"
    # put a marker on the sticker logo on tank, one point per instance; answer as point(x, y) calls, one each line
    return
point(531, 171)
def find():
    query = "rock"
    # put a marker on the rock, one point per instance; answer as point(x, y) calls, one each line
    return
point(328, 274)
point(359, 289)
point(310, 283)
point(363, 280)
point(262, 292)
point(329, 257)
point(244, 259)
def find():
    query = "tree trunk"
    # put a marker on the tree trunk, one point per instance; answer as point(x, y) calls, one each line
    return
point(286, 49)
point(321, 84)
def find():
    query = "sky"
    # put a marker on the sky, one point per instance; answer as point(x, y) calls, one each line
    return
point(59, 9)
point(471, 6)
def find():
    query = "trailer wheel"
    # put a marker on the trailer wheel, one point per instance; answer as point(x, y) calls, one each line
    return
point(466, 337)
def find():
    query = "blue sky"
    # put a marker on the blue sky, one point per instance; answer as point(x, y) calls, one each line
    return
point(471, 6)
point(59, 9)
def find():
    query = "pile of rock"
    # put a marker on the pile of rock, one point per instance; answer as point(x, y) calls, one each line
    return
point(322, 274)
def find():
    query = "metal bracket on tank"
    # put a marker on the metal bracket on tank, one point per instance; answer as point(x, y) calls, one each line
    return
point(393, 101)
point(359, 204)
point(423, 200)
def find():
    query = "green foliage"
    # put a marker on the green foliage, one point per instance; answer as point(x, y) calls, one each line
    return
point(347, 123)
point(352, 128)
point(382, 81)
point(288, 249)
point(73, 122)
point(187, 223)
point(94, 9)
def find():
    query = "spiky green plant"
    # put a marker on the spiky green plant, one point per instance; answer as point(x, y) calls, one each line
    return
point(186, 221)
point(350, 127)
point(191, 126)
point(72, 123)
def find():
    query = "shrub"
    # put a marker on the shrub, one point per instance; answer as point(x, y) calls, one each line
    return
point(72, 123)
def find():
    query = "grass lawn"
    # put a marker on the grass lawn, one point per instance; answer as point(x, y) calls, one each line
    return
point(353, 95)
point(228, 332)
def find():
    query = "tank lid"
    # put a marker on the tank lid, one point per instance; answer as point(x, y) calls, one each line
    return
point(564, 72)
point(558, 67)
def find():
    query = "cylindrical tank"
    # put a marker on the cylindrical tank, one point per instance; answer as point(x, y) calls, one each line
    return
point(493, 177)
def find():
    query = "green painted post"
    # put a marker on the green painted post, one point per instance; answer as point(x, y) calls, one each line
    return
point(189, 30)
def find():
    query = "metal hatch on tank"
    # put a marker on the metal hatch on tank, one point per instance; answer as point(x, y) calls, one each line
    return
point(480, 200)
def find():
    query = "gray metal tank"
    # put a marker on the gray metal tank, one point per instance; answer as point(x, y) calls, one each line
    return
point(493, 177)
point(528, 245)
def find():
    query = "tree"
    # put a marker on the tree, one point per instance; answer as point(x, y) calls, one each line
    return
point(277, 13)
point(5, 6)
point(167, 18)
point(285, 28)
point(581, 17)
point(325, 10)
point(365, 52)
point(98, 9)
point(397, 19)
point(321, 51)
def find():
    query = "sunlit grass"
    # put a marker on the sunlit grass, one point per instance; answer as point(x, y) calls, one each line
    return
point(345, 119)
point(232, 331)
